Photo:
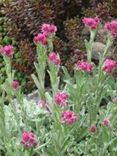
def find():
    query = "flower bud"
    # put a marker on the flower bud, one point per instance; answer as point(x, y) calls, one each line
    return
point(93, 129)
point(54, 58)
point(15, 84)
point(7, 50)
point(41, 38)
point(106, 122)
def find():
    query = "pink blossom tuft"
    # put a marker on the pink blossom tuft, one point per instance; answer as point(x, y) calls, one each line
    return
point(68, 117)
point(41, 38)
point(29, 139)
point(109, 65)
point(92, 23)
point(7, 50)
point(106, 122)
point(49, 29)
point(53, 28)
point(54, 58)
point(15, 84)
point(93, 129)
point(112, 27)
point(84, 66)
point(61, 98)
point(45, 27)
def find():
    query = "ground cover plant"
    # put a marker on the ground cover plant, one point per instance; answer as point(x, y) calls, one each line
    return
point(23, 18)
point(76, 116)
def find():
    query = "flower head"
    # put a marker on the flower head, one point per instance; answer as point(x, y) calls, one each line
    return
point(49, 29)
point(61, 98)
point(112, 27)
point(85, 66)
point(15, 84)
point(109, 65)
point(41, 38)
point(92, 23)
point(106, 122)
point(93, 129)
point(7, 50)
point(68, 117)
point(54, 58)
point(29, 139)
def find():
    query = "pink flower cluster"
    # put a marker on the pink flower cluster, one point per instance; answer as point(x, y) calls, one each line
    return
point(54, 58)
point(61, 98)
point(46, 31)
point(109, 65)
point(112, 27)
point(85, 66)
point(68, 117)
point(15, 84)
point(7, 50)
point(41, 38)
point(93, 129)
point(29, 139)
point(92, 23)
point(106, 122)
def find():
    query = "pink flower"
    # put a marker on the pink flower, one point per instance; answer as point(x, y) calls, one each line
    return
point(92, 23)
point(49, 29)
point(93, 129)
point(107, 26)
point(45, 27)
point(7, 50)
point(61, 98)
point(109, 65)
point(41, 38)
point(106, 122)
point(68, 117)
point(52, 28)
point(15, 84)
point(54, 58)
point(29, 139)
point(112, 27)
point(84, 66)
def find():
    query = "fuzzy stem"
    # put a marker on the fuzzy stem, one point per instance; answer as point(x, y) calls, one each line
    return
point(90, 45)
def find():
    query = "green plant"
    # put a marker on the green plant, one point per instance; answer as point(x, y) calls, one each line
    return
point(70, 118)
point(23, 22)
